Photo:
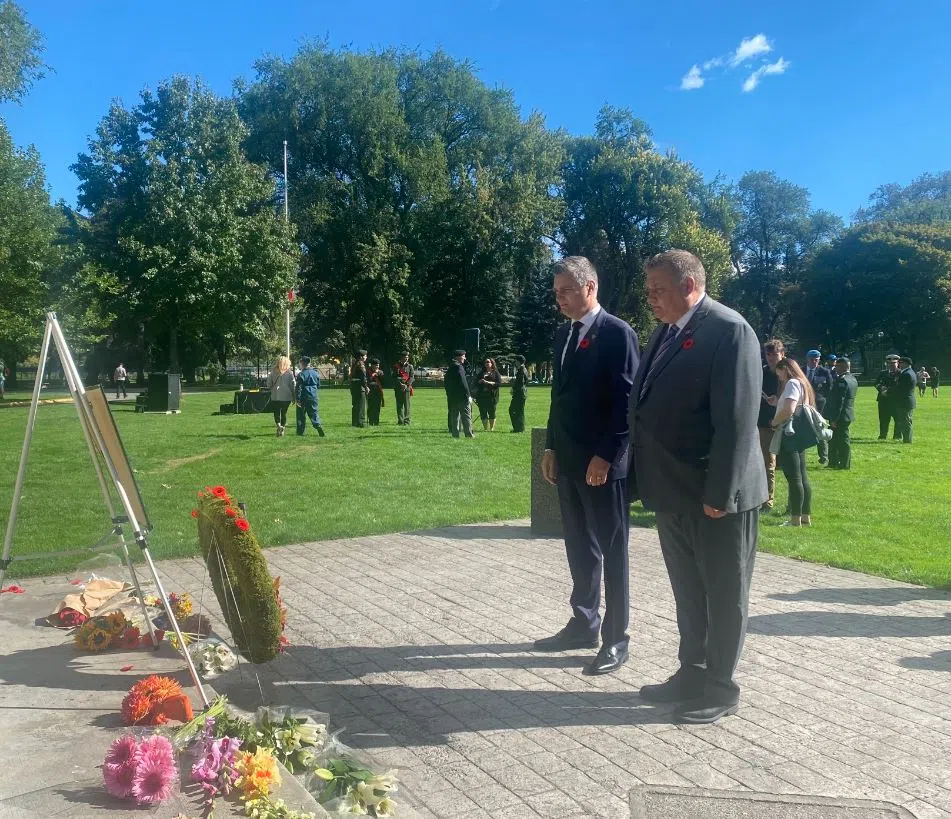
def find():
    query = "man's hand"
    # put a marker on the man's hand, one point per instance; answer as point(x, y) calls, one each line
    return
point(549, 467)
point(710, 512)
point(597, 472)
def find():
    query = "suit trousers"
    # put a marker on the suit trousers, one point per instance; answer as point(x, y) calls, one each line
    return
point(710, 563)
point(769, 461)
point(884, 417)
point(840, 448)
point(595, 520)
point(904, 422)
point(517, 412)
point(460, 414)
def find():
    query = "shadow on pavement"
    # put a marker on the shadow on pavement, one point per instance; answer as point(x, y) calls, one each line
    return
point(891, 596)
point(839, 624)
point(939, 661)
point(503, 532)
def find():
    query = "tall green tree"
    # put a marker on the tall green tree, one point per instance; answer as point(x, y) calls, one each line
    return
point(625, 201)
point(20, 48)
point(881, 278)
point(186, 224)
point(775, 240)
point(925, 201)
point(421, 195)
point(28, 230)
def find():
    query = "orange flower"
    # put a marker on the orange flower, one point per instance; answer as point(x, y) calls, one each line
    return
point(242, 524)
point(135, 708)
point(159, 688)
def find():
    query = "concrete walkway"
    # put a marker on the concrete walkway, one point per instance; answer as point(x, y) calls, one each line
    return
point(418, 645)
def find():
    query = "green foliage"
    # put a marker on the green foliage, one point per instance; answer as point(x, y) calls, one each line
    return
point(420, 195)
point(625, 201)
point(28, 228)
point(923, 202)
point(184, 222)
point(775, 240)
point(247, 595)
point(20, 49)
point(880, 277)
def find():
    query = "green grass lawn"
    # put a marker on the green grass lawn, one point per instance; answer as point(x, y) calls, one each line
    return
point(889, 515)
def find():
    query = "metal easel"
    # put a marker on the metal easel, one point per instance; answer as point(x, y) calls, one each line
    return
point(96, 445)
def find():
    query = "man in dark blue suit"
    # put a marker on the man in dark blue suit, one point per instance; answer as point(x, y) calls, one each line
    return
point(586, 457)
point(821, 380)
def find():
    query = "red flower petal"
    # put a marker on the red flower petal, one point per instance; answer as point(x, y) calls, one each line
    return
point(194, 513)
point(242, 524)
point(127, 668)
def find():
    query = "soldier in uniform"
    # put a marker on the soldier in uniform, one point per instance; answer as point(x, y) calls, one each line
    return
point(375, 400)
point(904, 401)
point(519, 394)
point(308, 382)
point(840, 410)
point(458, 396)
point(821, 380)
point(885, 386)
point(403, 387)
point(359, 389)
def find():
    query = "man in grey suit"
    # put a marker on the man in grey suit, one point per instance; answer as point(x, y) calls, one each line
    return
point(696, 462)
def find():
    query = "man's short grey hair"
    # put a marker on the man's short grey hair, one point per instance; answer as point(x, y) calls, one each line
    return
point(578, 267)
point(680, 264)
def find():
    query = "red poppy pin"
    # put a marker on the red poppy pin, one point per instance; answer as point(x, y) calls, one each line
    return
point(688, 343)
point(584, 344)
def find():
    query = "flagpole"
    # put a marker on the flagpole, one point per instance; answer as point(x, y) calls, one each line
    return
point(287, 219)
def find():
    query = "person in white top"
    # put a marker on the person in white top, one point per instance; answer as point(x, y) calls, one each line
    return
point(795, 390)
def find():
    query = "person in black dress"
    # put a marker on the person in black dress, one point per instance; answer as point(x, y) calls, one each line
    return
point(519, 394)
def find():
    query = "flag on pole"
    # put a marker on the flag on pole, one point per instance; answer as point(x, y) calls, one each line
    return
point(291, 295)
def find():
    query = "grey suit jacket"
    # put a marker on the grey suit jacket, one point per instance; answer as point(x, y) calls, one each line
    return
point(693, 434)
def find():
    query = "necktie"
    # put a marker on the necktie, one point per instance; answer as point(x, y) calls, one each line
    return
point(572, 345)
point(665, 345)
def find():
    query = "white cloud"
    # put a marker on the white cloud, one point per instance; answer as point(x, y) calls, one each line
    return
point(748, 48)
point(778, 67)
point(716, 62)
point(692, 79)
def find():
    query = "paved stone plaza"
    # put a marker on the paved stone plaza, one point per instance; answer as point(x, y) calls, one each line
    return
point(419, 646)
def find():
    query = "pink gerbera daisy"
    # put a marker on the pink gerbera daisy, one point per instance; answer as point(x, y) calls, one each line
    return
point(155, 772)
point(123, 750)
point(119, 779)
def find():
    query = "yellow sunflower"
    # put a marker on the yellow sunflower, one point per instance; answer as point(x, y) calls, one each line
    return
point(116, 622)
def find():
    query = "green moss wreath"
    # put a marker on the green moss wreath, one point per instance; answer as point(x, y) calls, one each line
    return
point(249, 598)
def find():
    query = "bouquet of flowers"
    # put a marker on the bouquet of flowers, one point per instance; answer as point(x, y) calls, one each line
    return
point(212, 657)
point(154, 701)
point(343, 784)
point(109, 631)
point(141, 770)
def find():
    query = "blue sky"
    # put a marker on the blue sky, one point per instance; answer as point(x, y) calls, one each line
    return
point(849, 96)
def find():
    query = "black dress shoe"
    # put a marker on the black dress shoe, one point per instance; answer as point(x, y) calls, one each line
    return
point(704, 711)
point(566, 639)
point(681, 687)
point(608, 659)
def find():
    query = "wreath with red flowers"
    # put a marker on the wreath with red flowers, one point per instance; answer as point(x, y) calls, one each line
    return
point(246, 593)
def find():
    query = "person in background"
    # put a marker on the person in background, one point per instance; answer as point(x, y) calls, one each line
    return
point(796, 391)
point(308, 382)
point(120, 376)
point(403, 387)
point(773, 351)
point(820, 379)
point(935, 381)
point(905, 401)
point(840, 412)
point(519, 395)
point(3, 380)
point(885, 398)
point(375, 400)
point(487, 393)
point(281, 383)
point(923, 376)
point(359, 389)
point(458, 396)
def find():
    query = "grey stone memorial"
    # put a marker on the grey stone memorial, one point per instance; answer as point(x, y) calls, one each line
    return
point(546, 513)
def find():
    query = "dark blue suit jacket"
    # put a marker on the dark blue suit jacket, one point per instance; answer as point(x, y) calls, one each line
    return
point(589, 399)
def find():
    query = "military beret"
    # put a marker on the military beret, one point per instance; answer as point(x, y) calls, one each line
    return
point(813, 354)
point(831, 357)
